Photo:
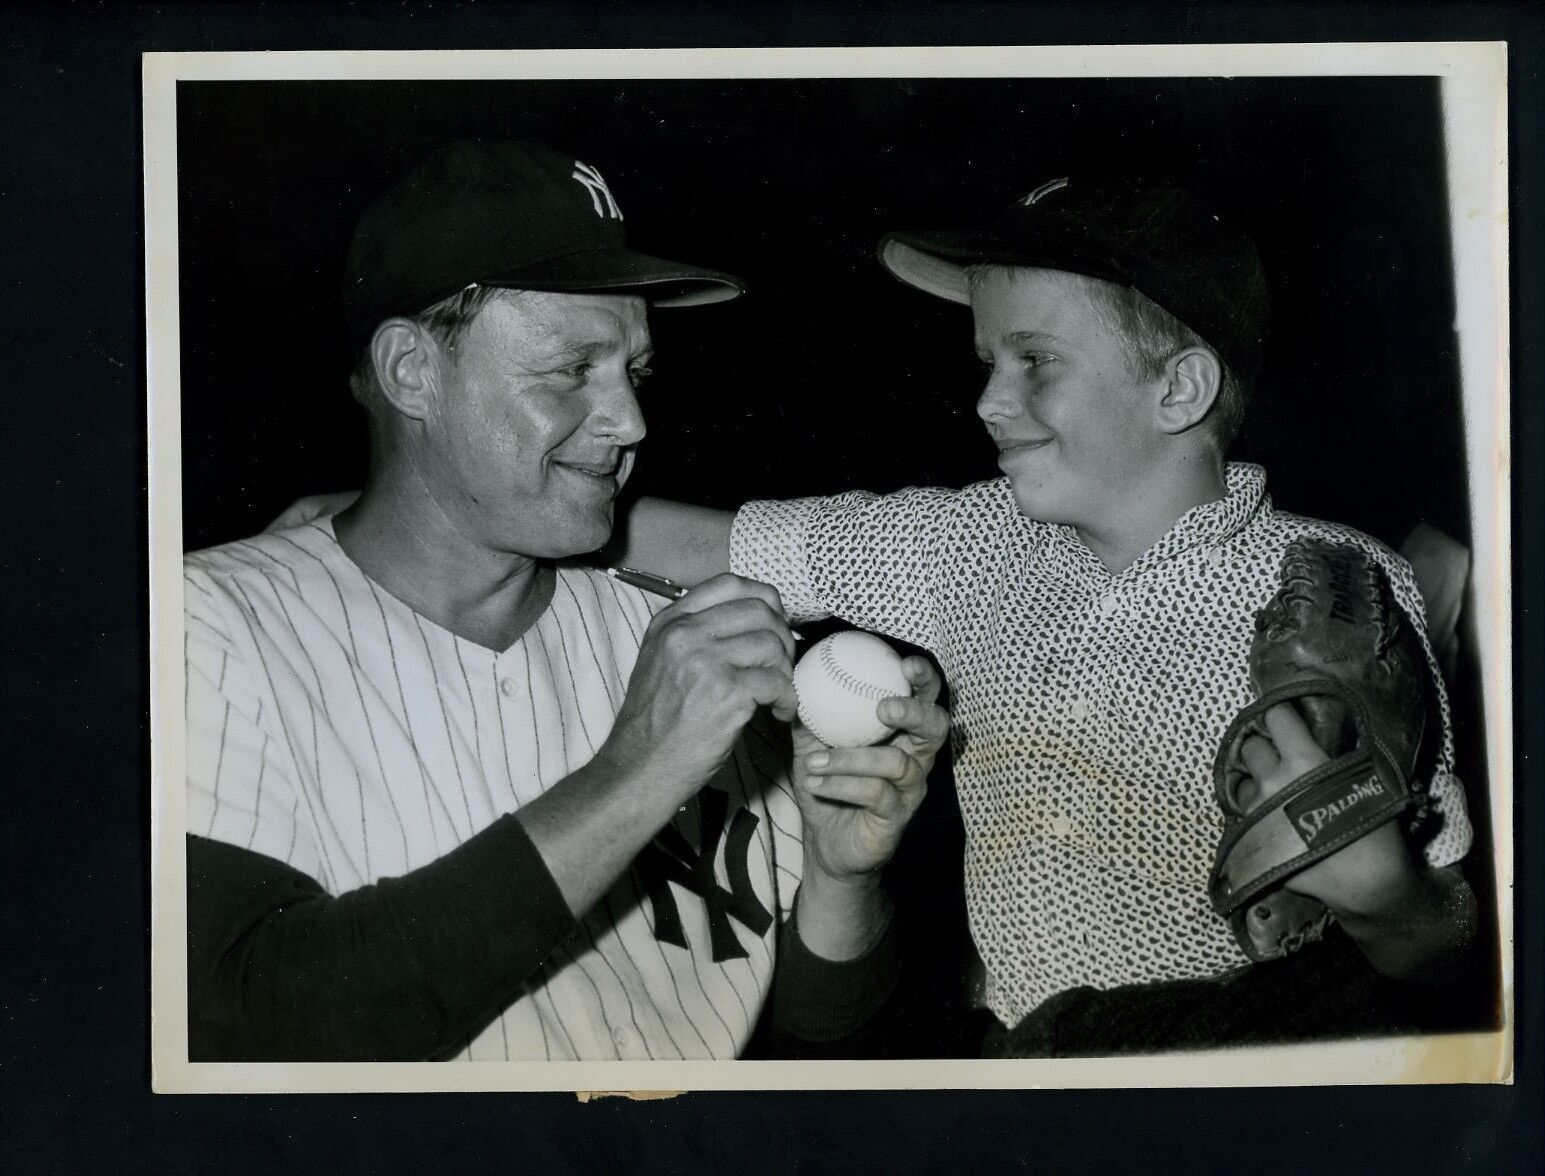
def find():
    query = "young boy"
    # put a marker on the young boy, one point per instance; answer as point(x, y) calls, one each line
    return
point(1093, 607)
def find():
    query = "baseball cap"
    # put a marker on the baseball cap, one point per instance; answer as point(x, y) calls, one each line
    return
point(1164, 240)
point(510, 214)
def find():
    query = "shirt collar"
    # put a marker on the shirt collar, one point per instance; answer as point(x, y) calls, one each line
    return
point(1206, 525)
point(1213, 522)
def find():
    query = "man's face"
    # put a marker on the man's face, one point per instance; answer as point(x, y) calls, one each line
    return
point(1073, 425)
point(532, 429)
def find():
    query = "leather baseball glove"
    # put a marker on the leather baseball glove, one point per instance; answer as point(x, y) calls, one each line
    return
point(1333, 642)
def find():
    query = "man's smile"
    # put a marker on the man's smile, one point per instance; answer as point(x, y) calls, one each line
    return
point(602, 474)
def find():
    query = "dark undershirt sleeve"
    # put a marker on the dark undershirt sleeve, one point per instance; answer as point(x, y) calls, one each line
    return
point(412, 968)
point(822, 1009)
point(409, 968)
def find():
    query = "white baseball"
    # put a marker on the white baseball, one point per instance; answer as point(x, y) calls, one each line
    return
point(840, 682)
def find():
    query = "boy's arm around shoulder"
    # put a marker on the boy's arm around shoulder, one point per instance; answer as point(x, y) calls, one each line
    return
point(679, 540)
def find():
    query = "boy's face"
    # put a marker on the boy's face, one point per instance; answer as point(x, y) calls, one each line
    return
point(1074, 427)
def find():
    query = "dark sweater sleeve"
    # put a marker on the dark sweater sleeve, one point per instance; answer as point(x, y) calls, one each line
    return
point(823, 1009)
point(408, 968)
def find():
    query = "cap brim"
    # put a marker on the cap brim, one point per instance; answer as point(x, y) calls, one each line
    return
point(937, 262)
point(661, 282)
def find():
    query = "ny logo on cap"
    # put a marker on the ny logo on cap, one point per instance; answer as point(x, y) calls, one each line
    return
point(598, 190)
point(1045, 190)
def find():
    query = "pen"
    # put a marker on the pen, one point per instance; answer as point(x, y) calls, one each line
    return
point(660, 586)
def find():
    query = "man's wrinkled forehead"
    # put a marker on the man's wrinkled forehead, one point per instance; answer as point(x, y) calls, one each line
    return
point(543, 323)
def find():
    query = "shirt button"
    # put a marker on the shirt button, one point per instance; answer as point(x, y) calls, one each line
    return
point(1109, 603)
point(507, 686)
point(621, 1037)
point(1061, 826)
point(1215, 556)
point(1079, 709)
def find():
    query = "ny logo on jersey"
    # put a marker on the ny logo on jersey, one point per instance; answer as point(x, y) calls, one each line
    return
point(1044, 191)
point(670, 858)
point(596, 186)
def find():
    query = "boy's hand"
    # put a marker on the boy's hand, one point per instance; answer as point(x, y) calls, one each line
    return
point(1412, 922)
point(1360, 877)
point(1334, 639)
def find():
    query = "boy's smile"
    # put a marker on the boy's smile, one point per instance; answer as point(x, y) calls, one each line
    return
point(1010, 449)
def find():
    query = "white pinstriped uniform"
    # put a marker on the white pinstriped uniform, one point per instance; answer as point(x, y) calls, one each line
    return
point(333, 728)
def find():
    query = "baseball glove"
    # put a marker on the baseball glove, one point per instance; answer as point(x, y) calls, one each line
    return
point(1333, 642)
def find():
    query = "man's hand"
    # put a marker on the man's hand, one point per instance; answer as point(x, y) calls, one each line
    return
point(1412, 922)
point(855, 803)
point(706, 664)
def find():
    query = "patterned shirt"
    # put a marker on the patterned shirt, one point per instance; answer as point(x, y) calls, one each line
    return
point(1088, 706)
point(333, 728)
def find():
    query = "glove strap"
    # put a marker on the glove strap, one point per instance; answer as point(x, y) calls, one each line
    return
point(1320, 812)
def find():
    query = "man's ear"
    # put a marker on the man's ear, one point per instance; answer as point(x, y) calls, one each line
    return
point(405, 358)
point(1195, 378)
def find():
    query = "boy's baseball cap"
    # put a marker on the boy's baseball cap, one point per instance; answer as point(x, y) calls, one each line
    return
point(1163, 240)
point(518, 215)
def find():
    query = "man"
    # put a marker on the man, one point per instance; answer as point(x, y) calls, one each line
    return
point(1092, 610)
point(448, 797)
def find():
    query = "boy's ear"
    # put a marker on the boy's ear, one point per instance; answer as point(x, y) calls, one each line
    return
point(1195, 378)
point(405, 357)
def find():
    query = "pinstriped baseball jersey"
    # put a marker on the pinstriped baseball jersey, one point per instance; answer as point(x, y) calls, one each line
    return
point(333, 728)
point(1087, 707)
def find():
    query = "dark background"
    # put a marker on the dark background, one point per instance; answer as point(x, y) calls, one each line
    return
point(74, 1007)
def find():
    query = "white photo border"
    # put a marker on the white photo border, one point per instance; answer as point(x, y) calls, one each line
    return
point(1474, 89)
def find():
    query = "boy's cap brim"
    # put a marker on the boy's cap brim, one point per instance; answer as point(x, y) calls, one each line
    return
point(1164, 241)
point(936, 262)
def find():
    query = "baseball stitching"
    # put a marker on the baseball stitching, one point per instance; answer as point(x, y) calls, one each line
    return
point(863, 688)
point(839, 674)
